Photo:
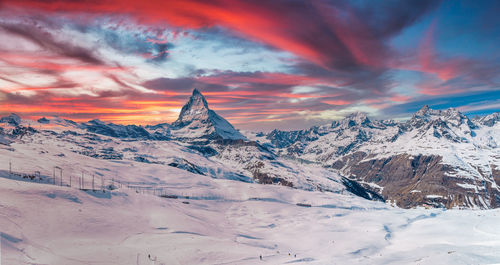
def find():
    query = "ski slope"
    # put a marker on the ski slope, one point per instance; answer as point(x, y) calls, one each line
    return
point(212, 210)
point(231, 222)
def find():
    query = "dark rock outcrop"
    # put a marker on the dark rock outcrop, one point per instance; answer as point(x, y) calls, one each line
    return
point(13, 119)
point(420, 180)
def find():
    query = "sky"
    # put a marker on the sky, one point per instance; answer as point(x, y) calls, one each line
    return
point(260, 64)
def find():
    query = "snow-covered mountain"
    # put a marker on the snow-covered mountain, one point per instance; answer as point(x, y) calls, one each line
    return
point(197, 121)
point(213, 210)
point(200, 142)
point(12, 119)
point(437, 158)
point(489, 120)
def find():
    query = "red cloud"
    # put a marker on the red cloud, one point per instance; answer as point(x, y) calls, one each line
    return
point(330, 37)
point(329, 34)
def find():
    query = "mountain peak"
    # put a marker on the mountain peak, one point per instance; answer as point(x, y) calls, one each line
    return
point(195, 109)
point(196, 92)
point(12, 119)
point(423, 111)
point(450, 116)
point(427, 112)
point(490, 120)
point(357, 116)
point(198, 98)
point(355, 119)
point(198, 120)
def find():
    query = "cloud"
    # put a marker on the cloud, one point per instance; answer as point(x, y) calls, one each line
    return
point(466, 102)
point(291, 63)
point(335, 35)
point(45, 40)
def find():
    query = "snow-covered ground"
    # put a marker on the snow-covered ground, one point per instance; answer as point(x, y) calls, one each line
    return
point(212, 210)
point(230, 222)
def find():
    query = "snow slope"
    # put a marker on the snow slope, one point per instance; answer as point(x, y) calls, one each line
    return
point(231, 222)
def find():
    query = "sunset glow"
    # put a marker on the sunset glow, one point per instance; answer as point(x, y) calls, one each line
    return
point(295, 63)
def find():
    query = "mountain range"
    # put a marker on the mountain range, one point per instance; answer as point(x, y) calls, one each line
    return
point(438, 158)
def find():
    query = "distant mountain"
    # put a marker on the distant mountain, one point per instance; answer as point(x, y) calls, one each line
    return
point(438, 158)
point(490, 120)
point(57, 121)
point(116, 130)
point(13, 119)
point(13, 128)
point(196, 120)
point(200, 141)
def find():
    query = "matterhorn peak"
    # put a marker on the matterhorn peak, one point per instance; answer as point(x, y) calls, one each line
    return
point(198, 120)
point(198, 99)
point(195, 109)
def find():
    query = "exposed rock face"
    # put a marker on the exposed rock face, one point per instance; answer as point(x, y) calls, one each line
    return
point(196, 120)
point(417, 181)
point(265, 177)
point(186, 165)
point(360, 190)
